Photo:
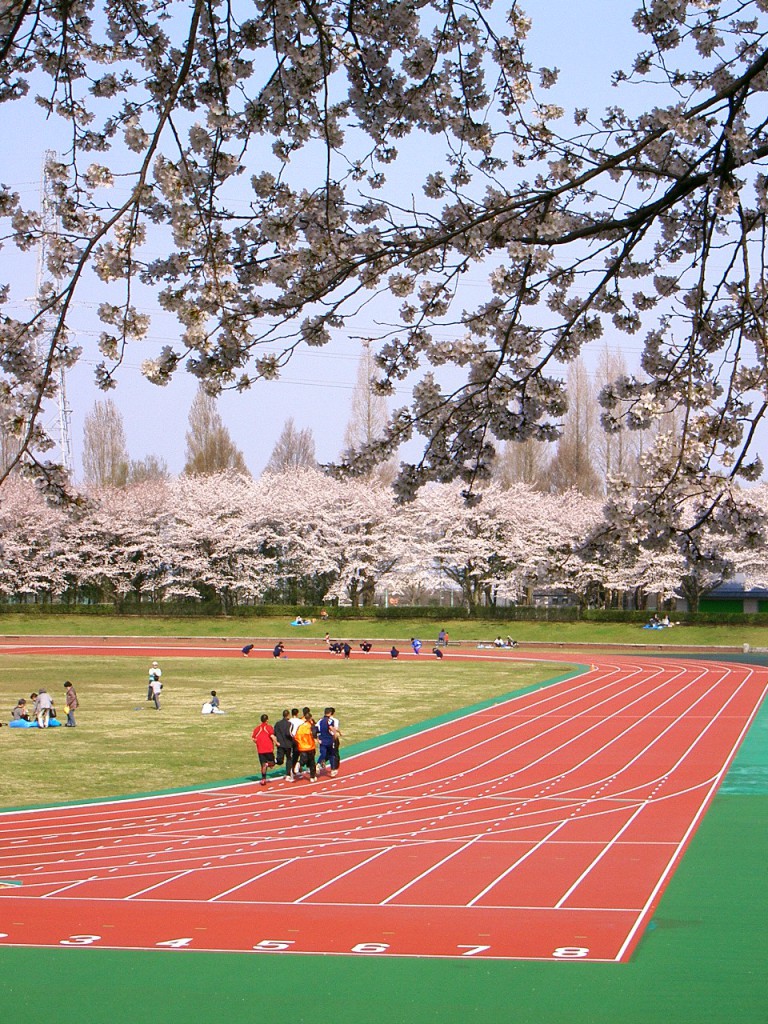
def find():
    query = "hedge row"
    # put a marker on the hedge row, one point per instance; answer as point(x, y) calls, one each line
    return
point(430, 613)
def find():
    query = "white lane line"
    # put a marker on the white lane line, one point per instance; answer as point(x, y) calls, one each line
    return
point(344, 874)
point(254, 878)
point(429, 871)
point(158, 885)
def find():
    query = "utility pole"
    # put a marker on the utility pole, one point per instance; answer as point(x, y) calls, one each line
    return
point(50, 228)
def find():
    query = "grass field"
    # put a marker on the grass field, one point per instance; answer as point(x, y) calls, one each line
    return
point(123, 745)
point(466, 631)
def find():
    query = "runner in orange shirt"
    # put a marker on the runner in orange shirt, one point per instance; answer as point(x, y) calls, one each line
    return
point(305, 738)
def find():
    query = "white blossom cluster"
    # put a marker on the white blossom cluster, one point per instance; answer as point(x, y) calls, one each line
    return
point(305, 538)
point(649, 224)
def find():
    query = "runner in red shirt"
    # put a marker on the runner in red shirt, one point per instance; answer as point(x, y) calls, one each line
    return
point(264, 738)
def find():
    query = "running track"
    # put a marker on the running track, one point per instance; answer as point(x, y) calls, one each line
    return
point(543, 827)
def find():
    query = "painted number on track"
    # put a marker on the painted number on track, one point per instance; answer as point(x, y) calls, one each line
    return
point(80, 940)
point(370, 947)
point(273, 945)
point(571, 952)
point(473, 950)
point(174, 943)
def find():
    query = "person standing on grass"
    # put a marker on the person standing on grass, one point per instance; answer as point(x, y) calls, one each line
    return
point(264, 738)
point(72, 704)
point(306, 743)
point(43, 705)
point(155, 687)
point(155, 674)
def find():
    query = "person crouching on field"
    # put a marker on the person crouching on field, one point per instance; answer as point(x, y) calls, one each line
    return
point(264, 738)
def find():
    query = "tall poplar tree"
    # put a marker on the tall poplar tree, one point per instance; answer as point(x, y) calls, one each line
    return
point(294, 449)
point(369, 417)
point(210, 448)
point(572, 465)
point(105, 455)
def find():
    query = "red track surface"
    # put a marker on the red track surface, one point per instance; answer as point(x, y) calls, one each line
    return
point(543, 827)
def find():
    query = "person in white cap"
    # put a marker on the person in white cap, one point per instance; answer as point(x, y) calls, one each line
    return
point(154, 686)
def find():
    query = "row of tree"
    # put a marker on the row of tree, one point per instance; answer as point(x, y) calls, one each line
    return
point(210, 447)
point(585, 458)
point(305, 538)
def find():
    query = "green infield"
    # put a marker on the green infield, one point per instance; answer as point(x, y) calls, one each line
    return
point(123, 745)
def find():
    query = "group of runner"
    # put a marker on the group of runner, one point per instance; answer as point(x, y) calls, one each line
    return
point(293, 742)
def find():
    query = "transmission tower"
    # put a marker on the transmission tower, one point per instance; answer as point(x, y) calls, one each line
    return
point(50, 228)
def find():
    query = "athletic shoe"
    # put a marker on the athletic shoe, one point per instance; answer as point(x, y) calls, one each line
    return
point(313, 780)
point(263, 782)
point(334, 772)
point(289, 778)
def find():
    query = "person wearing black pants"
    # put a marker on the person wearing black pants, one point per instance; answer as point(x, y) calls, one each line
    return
point(284, 738)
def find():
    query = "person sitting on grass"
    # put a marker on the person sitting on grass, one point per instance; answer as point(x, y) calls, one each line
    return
point(21, 712)
point(213, 705)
